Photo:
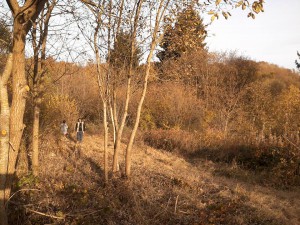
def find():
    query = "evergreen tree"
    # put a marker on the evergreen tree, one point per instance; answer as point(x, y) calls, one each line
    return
point(120, 54)
point(298, 63)
point(187, 34)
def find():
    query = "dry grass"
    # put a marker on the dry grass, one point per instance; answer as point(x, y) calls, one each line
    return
point(268, 160)
point(164, 189)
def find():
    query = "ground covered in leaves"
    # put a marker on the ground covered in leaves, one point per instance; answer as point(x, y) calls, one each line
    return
point(164, 189)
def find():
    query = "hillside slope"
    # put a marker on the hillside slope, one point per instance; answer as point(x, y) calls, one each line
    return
point(164, 189)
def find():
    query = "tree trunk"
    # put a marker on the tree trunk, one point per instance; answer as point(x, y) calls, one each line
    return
point(37, 81)
point(4, 136)
point(112, 122)
point(23, 17)
point(133, 50)
point(19, 89)
point(138, 114)
point(121, 128)
point(35, 140)
point(105, 141)
point(159, 15)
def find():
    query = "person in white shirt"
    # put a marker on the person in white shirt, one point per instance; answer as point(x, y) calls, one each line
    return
point(64, 128)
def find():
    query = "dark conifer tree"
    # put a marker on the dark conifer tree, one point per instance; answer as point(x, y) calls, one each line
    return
point(121, 53)
point(298, 63)
point(188, 34)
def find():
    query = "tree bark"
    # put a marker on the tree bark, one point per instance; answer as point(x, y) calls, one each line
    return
point(4, 136)
point(105, 142)
point(23, 18)
point(138, 114)
point(35, 140)
point(19, 89)
point(37, 80)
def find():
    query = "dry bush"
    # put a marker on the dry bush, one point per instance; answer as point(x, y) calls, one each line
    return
point(56, 109)
point(172, 140)
point(171, 105)
point(279, 163)
point(234, 104)
point(282, 162)
point(82, 86)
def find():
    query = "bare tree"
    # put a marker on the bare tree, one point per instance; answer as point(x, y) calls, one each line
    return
point(23, 17)
point(38, 77)
point(102, 76)
point(120, 127)
point(162, 6)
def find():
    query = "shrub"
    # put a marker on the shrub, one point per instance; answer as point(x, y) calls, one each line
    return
point(280, 162)
point(58, 108)
point(171, 105)
point(172, 140)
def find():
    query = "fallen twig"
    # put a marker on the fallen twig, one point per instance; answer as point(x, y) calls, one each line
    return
point(163, 210)
point(19, 191)
point(47, 215)
point(184, 212)
point(291, 142)
point(83, 215)
point(176, 204)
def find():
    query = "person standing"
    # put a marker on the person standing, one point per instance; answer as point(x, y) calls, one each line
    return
point(64, 128)
point(80, 129)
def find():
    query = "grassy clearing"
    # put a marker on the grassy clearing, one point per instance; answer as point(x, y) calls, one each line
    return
point(164, 189)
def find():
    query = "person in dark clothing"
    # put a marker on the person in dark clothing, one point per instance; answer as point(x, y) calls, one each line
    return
point(80, 129)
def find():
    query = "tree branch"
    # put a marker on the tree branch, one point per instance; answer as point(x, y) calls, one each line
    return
point(13, 5)
point(89, 2)
point(8, 68)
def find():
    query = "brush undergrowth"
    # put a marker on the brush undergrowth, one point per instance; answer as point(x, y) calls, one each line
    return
point(280, 164)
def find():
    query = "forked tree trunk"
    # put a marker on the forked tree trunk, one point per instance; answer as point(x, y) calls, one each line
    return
point(23, 16)
point(138, 114)
point(4, 135)
point(159, 16)
point(120, 129)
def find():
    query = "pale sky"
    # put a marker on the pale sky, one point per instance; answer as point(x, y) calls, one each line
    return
point(274, 36)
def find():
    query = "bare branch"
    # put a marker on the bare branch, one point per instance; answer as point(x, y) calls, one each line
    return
point(13, 5)
point(8, 68)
